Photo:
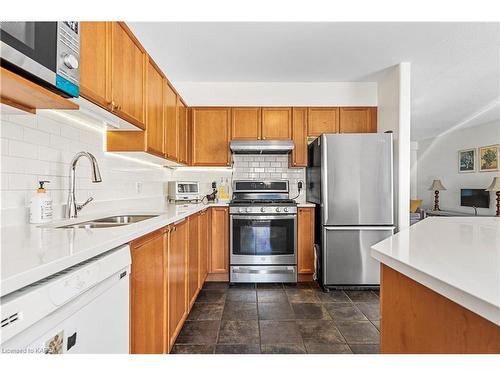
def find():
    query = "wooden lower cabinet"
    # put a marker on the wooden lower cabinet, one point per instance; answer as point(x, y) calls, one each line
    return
point(417, 320)
point(177, 278)
point(219, 241)
point(305, 241)
point(204, 246)
point(193, 258)
point(149, 294)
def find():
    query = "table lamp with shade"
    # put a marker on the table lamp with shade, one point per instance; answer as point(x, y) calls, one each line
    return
point(436, 187)
point(495, 186)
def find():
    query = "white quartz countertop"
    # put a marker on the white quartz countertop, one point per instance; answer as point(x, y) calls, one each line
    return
point(32, 252)
point(457, 257)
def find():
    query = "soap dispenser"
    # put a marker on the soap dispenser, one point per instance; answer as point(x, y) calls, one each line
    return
point(41, 205)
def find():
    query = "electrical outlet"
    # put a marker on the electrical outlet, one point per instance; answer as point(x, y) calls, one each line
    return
point(138, 187)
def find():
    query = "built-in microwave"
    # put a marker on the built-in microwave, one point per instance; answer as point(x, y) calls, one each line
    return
point(49, 52)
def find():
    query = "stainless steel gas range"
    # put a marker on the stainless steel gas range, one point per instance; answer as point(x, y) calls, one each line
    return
point(263, 233)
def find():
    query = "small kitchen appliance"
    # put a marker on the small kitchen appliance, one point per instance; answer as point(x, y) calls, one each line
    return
point(49, 52)
point(184, 191)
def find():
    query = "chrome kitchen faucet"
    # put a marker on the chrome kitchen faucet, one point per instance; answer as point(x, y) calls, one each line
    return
point(72, 207)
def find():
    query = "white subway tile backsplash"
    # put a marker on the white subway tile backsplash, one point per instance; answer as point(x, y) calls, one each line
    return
point(4, 146)
point(70, 132)
point(22, 182)
point(22, 149)
point(27, 120)
point(11, 131)
point(49, 125)
point(59, 142)
point(49, 154)
point(36, 136)
point(258, 170)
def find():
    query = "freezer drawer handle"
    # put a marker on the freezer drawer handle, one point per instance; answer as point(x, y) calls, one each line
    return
point(261, 272)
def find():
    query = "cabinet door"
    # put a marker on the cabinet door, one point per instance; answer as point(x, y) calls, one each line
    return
point(127, 75)
point(276, 123)
point(219, 256)
point(210, 136)
point(358, 120)
point(299, 136)
point(305, 240)
point(193, 258)
point(94, 62)
point(148, 294)
point(322, 120)
point(171, 123)
point(204, 245)
point(183, 132)
point(154, 120)
point(177, 279)
point(245, 123)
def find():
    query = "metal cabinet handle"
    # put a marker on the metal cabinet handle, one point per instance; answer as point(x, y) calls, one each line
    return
point(262, 272)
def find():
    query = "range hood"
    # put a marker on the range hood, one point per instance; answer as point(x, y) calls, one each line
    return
point(261, 147)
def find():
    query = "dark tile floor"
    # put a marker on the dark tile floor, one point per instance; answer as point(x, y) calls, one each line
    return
point(277, 318)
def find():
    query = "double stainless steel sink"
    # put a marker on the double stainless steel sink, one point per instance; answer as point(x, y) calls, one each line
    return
point(108, 222)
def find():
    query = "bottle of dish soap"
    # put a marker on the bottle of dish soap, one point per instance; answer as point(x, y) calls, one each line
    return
point(41, 205)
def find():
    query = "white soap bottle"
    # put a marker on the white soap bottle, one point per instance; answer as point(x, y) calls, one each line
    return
point(41, 205)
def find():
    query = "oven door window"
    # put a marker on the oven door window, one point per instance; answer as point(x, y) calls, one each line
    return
point(36, 40)
point(263, 237)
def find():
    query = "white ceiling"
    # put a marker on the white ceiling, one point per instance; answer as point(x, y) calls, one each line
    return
point(455, 66)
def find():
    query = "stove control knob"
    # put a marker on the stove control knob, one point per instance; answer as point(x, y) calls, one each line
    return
point(240, 209)
point(278, 209)
point(262, 209)
point(247, 209)
point(285, 209)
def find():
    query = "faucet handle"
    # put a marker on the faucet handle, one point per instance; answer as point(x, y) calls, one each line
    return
point(80, 206)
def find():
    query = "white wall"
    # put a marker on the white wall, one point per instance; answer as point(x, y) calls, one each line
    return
point(278, 93)
point(413, 170)
point(393, 114)
point(35, 147)
point(438, 159)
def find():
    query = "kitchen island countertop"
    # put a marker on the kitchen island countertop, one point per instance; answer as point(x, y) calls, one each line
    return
point(456, 257)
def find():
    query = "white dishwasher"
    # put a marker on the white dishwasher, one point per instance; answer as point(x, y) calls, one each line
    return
point(83, 309)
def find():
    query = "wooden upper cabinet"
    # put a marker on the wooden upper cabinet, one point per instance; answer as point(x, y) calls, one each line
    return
point(148, 294)
point(154, 118)
point(210, 129)
point(299, 137)
point(171, 123)
point(94, 62)
point(322, 120)
point(276, 123)
point(246, 123)
point(183, 132)
point(219, 255)
point(204, 246)
point(358, 120)
point(128, 60)
point(177, 278)
point(305, 240)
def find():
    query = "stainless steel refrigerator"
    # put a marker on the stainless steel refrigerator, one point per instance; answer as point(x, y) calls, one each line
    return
point(350, 178)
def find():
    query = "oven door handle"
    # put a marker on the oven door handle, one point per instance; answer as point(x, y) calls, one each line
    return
point(263, 217)
point(262, 272)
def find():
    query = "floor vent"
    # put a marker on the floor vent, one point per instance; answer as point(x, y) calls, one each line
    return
point(11, 319)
